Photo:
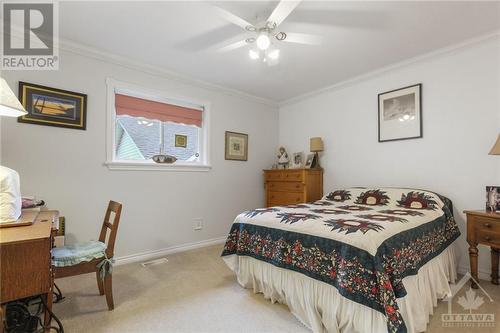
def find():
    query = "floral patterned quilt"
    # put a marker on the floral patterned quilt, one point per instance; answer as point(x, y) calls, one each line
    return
point(362, 241)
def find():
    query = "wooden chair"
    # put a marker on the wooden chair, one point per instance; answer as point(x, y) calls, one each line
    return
point(106, 286)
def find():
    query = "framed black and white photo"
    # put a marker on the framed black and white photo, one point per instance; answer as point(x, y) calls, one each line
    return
point(309, 161)
point(400, 114)
point(298, 160)
point(493, 198)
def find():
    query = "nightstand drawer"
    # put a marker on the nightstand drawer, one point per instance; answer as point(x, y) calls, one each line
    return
point(285, 186)
point(284, 198)
point(487, 237)
point(487, 224)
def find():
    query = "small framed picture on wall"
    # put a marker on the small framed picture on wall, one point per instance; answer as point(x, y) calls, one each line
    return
point(400, 114)
point(236, 146)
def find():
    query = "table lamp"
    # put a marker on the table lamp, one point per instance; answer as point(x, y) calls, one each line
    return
point(495, 150)
point(10, 194)
point(9, 104)
point(316, 146)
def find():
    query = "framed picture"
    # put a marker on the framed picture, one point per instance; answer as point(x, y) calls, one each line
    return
point(298, 160)
point(181, 140)
point(236, 146)
point(309, 161)
point(493, 198)
point(400, 114)
point(53, 107)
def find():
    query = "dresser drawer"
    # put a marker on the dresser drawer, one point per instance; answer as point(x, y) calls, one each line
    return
point(488, 237)
point(284, 198)
point(284, 175)
point(486, 223)
point(273, 176)
point(285, 186)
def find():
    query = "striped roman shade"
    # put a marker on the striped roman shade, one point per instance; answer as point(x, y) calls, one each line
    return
point(138, 107)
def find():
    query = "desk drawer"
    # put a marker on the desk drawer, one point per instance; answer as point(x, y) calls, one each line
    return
point(285, 186)
point(487, 237)
point(284, 198)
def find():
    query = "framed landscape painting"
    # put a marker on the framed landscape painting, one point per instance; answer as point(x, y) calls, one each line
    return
point(400, 114)
point(53, 107)
point(236, 146)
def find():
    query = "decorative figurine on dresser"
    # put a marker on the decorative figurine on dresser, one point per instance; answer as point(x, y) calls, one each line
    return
point(292, 186)
point(283, 159)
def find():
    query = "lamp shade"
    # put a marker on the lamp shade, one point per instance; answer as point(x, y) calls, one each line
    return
point(316, 144)
point(9, 104)
point(495, 150)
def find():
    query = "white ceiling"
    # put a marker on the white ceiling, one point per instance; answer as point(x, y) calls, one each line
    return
point(358, 37)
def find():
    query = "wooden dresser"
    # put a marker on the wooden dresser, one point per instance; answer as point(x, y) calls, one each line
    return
point(292, 186)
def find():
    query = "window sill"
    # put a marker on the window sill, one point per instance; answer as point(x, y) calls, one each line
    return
point(147, 166)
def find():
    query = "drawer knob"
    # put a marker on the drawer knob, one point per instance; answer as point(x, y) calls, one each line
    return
point(487, 238)
point(297, 186)
point(487, 225)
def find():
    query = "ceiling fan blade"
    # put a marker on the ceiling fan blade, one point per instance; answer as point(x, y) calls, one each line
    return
point(299, 38)
point(228, 16)
point(282, 10)
point(233, 46)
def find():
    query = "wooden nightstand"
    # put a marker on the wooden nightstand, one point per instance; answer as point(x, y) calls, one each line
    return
point(483, 228)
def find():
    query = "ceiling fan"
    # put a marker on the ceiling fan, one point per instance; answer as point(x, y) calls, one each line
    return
point(264, 33)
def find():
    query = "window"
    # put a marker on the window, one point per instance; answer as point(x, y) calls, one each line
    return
point(143, 124)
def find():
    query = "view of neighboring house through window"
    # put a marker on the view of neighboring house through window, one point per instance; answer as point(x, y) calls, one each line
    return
point(144, 127)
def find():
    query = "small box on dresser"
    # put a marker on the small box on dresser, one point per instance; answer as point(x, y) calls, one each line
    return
point(292, 186)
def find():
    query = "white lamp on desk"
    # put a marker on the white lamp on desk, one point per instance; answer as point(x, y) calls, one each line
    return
point(10, 190)
point(9, 104)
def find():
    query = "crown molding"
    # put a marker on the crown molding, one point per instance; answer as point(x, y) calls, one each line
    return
point(455, 48)
point(94, 53)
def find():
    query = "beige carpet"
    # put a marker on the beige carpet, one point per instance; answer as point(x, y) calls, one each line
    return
point(193, 292)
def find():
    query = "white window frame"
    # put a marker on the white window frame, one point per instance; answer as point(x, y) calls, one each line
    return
point(115, 86)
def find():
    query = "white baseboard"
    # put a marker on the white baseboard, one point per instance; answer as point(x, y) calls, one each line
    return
point(148, 255)
point(482, 274)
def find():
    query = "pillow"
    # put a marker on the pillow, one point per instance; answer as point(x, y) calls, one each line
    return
point(10, 195)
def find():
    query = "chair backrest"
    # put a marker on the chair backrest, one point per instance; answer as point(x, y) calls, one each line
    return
point(116, 209)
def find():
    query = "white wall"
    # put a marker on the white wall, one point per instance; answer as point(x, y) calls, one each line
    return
point(65, 167)
point(461, 118)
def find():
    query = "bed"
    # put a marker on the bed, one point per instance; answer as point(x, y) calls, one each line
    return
point(358, 260)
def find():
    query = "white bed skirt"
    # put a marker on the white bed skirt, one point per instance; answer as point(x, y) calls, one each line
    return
point(321, 308)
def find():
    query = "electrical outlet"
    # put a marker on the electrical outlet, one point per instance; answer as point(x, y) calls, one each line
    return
point(198, 223)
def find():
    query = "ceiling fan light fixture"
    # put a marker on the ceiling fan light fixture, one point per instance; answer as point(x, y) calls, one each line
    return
point(274, 54)
point(254, 55)
point(263, 41)
point(250, 28)
point(280, 36)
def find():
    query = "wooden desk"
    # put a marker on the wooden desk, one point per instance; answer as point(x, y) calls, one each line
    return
point(26, 261)
point(483, 228)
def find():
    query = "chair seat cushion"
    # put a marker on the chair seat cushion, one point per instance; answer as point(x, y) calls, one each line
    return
point(74, 254)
